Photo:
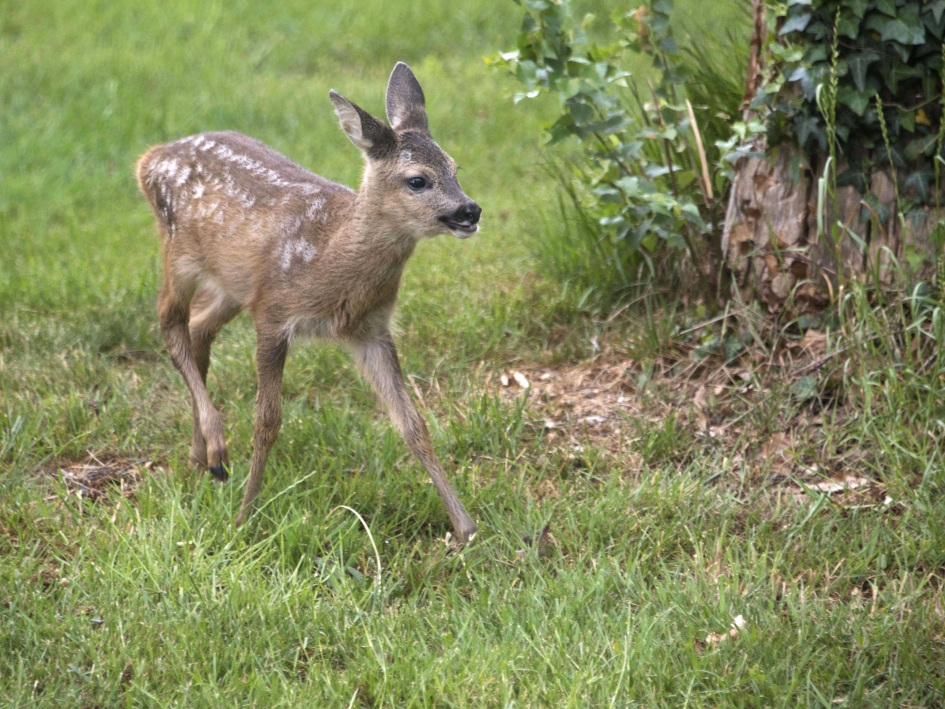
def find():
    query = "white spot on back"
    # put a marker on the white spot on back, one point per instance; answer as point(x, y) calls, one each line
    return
point(296, 248)
point(314, 208)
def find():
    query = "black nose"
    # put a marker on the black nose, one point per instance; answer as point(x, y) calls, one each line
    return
point(468, 213)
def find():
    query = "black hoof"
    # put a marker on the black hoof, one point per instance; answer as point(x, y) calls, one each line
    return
point(220, 472)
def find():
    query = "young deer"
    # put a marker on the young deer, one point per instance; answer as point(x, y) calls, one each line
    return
point(244, 227)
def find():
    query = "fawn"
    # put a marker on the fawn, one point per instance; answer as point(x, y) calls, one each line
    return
point(244, 227)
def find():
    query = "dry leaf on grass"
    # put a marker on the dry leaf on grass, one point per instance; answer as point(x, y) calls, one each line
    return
point(849, 482)
point(94, 478)
point(738, 623)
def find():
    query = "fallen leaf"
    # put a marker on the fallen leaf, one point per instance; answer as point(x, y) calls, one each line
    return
point(831, 486)
point(699, 398)
point(814, 342)
point(738, 623)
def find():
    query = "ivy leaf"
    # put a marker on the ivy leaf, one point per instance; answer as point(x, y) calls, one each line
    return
point(881, 157)
point(795, 23)
point(921, 146)
point(895, 30)
point(937, 8)
point(887, 6)
point(919, 181)
point(818, 31)
point(850, 26)
point(909, 16)
point(859, 7)
point(907, 120)
point(852, 177)
point(856, 100)
point(858, 65)
point(807, 83)
point(804, 127)
point(935, 26)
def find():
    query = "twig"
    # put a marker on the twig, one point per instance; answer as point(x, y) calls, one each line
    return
point(818, 363)
point(703, 324)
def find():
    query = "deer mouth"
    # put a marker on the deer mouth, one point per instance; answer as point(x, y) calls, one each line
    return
point(460, 230)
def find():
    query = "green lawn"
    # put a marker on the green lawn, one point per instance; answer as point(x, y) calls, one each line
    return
point(155, 600)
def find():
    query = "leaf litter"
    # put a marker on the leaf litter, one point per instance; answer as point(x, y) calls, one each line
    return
point(98, 475)
point(612, 401)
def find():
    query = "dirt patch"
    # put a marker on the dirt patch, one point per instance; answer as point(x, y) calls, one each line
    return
point(98, 475)
point(762, 416)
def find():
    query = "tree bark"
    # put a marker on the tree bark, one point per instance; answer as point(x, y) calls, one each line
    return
point(771, 238)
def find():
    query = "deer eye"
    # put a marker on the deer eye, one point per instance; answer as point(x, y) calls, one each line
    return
point(416, 183)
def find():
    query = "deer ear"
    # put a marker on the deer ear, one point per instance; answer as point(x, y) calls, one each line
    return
point(370, 135)
point(406, 107)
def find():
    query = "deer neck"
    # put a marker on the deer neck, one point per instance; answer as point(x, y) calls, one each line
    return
point(374, 232)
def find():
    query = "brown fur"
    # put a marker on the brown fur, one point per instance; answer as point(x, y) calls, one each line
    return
point(245, 228)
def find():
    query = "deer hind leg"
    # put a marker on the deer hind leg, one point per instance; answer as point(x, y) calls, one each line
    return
point(377, 360)
point(174, 313)
point(271, 351)
point(210, 310)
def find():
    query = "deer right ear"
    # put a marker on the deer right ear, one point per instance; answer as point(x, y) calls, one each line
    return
point(371, 136)
point(406, 106)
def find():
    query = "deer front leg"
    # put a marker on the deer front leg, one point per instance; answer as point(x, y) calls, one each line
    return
point(270, 362)
point(173, 313)
point(377, 360)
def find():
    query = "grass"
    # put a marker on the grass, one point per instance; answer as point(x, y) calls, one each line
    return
point(153, 599)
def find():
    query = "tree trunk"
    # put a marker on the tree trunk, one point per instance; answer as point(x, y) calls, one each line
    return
point(771, 238)
point(774, 247)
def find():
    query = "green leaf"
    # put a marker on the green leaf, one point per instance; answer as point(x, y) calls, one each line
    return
point(850, 27)
point(669, 46)
point(937, 8)
point(907, 120)
point(581, 112)
point(859, 63)
point(857, 101)
point(805, 388)
point(852, 177)
point(887, 6)
point(796, 23)
point(909, 16)
point(897, 31)
point(859, 7)
point(804, 127)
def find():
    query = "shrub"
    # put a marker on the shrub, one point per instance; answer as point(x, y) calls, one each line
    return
point(644, 195)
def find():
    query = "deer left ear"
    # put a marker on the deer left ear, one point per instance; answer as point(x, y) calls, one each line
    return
point(406, 107)
point(370, 135)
